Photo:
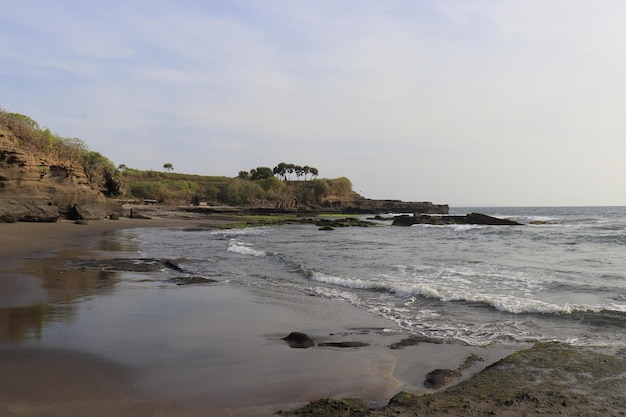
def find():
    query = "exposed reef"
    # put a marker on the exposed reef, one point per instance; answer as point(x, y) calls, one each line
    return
point(471, 218)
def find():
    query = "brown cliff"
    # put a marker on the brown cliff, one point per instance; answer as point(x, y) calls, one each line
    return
point(38, 187)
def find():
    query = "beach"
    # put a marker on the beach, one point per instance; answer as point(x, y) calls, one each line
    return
point(230, 359)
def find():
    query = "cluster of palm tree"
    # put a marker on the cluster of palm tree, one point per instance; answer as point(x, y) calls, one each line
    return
point(285, 170)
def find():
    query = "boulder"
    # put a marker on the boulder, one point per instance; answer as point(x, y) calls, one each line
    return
point(441, 377)
point(14, 209)
point(89, 210)
point(300, 340)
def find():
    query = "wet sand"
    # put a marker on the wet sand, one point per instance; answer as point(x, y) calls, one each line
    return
point(219, 354)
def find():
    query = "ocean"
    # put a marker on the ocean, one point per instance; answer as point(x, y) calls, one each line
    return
point(561, 277)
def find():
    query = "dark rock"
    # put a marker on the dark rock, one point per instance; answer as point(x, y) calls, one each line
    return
point(191, 280)
point(173, 265)
point(344, 344)
point(471, 218)
point(441, 377)
point(478, 218)
point(368, 206)
point(123, 264)
point(416, 340)
point(300, 340)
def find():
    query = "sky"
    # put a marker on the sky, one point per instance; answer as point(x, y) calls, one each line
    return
point(485, 102)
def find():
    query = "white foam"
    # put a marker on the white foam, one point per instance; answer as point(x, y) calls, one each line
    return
point(242, 248)
point(355, 283)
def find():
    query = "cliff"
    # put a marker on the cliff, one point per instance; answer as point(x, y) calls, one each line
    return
point(37, 187)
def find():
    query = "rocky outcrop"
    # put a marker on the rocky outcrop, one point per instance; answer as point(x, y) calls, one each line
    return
point(368, 206)
point(38, 188)
point(471, 218)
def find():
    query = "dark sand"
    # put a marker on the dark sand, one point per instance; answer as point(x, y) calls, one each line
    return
point(243, 368)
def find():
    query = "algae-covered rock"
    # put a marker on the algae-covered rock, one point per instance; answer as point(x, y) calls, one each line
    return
point(548, 379)
point(332, 407)
point(441, 377)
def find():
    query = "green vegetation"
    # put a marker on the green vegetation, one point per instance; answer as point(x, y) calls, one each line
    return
point(257, 189)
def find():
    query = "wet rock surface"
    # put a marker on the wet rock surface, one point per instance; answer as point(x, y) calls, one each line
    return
point(548, 379)
point(299, 340)
point(191, 281)
point(471, 218)
point(441, 377)
point(128, 265)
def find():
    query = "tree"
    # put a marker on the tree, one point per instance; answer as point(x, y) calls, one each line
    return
point(299, 171)
point(281, 170)
point(169, 167)
point(261, 173)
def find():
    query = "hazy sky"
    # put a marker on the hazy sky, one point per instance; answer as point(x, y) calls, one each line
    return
point(452, 101)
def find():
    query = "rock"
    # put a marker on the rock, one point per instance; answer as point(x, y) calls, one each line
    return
point(38, 188)
point(89, 210)
point(441, 377)
point(124, 264)
point(478, 218)
point(368, 206)
point(298, 340)
point(16, 209)
point(344, 344)
point(471, 218)
point(191, 281)
point(414, 340)
point(135, 214)
point(173, 265)
point(332, 407)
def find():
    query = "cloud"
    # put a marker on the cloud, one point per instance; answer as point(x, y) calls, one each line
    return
point(412, 100)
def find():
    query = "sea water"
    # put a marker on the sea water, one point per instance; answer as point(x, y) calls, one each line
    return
point(561, 277)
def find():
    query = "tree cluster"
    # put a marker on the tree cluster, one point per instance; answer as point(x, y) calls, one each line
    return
point(282, 170)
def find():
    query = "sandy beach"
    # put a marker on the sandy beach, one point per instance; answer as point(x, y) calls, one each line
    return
point(238, 364)
point(248, 330)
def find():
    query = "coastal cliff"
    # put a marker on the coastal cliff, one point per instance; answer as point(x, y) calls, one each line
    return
point(44, 177)
point(42, 188)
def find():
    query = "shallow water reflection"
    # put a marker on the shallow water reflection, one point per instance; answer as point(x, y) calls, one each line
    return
point(45, 291)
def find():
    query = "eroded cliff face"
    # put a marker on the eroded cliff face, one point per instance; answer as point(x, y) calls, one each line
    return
point(41, 188)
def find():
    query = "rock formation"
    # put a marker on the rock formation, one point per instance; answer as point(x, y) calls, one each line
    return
point(471, 218)
point(40, 188)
